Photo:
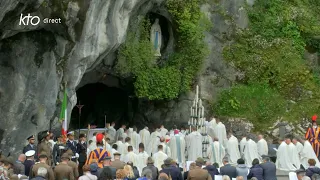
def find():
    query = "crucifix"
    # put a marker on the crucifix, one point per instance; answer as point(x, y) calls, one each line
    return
point(79, 107)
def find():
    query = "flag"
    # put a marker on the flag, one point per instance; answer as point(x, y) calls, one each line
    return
point(63, 116)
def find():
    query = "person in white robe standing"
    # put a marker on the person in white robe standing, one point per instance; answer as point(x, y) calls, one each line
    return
point(284, 161)
point(243, 143)
point(216, 152)
point(298, 145)
point(141, 158)
point(250, 152)
point(307, 153)
point(120, 132)
point(135, 138)
point(177, 146)
point(130, 156)
point(163, 131)
point(262, 146)
point(114, 150)
point(126, 145)
point(112, 132)
point(211, 126)
point(194, 145)
point(145, 136)
point(232, 149)
point(125, 134)
point(166, 148)
point(154, 142)
point(121, 147)
point(293, 153)
point(159, 157)
point(220, 132)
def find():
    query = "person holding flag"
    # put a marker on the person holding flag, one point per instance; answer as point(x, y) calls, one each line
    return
point(63, 117)
point(98, 154)
point(313, 135)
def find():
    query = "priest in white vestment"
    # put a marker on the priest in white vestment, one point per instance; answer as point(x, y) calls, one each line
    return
point(211, 126)
point(159, 157)
point(121, 147)
point(166, 148)
point(308, 153)
point(154, 142)
point(233, 149)
point(262, 146)
point(194, 145)
point(221, 132)
point(141, 158)
point(298, 145)
point(126, 145)
point(145, 136)
point(284, 157)
point(130, 156)
point(216, 152)
point(114, 150)
point(250, 152)
point(135, 138)
point(112, 133)
point(177, 146)
point(120, 132)
point(293, 152)
point(243, 143)
point(163, 131)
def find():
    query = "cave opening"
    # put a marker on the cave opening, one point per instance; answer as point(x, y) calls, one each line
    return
point(100, 102)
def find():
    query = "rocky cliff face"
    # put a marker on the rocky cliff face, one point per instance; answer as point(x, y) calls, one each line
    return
point(35, 60)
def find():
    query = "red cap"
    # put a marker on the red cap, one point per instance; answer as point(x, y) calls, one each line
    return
point(99, 137)
point(314, 118)
point(176, 131)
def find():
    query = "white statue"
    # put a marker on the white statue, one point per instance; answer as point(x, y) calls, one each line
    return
point(156, 37)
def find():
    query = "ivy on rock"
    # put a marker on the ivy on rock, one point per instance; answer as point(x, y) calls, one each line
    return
point(176, 74)
point(271, 51)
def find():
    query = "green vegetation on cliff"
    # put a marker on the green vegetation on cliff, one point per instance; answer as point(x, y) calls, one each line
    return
point(278, 81)
point(175, 74)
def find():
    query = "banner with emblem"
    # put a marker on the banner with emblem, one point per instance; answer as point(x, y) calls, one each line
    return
point(63, 116)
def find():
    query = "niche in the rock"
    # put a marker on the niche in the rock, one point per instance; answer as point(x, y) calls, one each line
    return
point(164, 24)
point(100, 101)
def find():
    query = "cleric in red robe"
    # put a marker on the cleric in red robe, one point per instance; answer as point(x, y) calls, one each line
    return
point(313, 135)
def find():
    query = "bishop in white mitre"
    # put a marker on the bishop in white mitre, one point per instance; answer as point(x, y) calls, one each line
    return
point(194, 145)
point(243, 143)
point(308, 153)
point(221, 132)
point(298, 145)
point(216, 152)
point(177, 146)
point(287, 156)
point(145, 136)
point(159, 157)
point(154, 142)
point(250, 152)
point(232, 149)
point(130, 156)
point(262, 146)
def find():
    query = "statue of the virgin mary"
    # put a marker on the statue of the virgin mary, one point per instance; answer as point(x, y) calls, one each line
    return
point(156, 37)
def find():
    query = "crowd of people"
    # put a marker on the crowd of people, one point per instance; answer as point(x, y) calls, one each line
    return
point(176, 154)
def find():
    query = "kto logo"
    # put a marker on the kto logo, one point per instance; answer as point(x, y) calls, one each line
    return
point(25, 20)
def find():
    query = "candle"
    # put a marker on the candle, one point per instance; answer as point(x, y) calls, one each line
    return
point(191, 110)
point(202, 111)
